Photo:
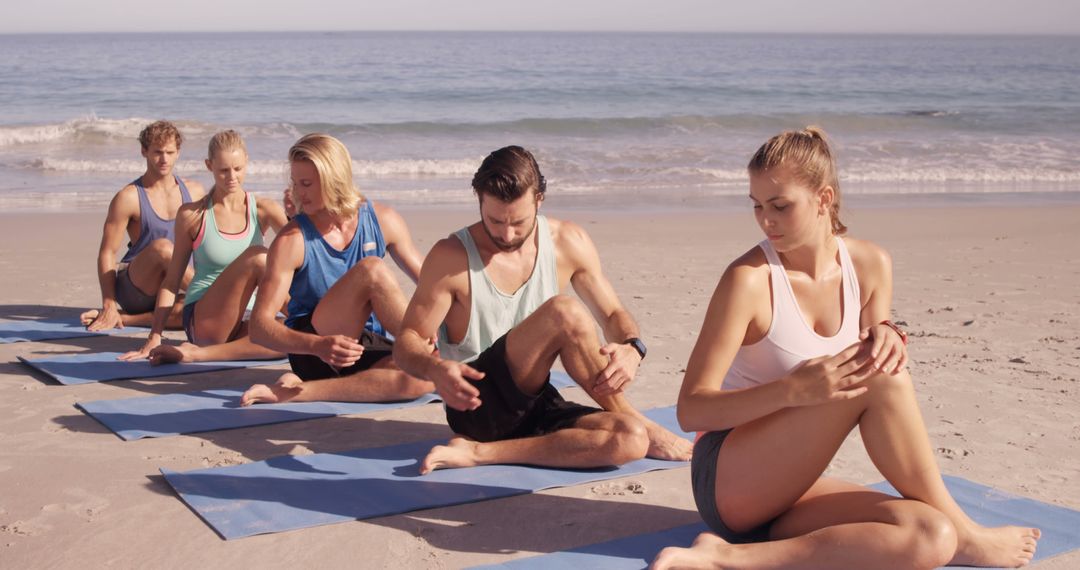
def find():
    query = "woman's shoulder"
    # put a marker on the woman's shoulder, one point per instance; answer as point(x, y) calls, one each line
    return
point(868, 256)
point(748, 272)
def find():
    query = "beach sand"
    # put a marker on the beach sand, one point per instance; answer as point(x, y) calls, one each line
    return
point(989, 295)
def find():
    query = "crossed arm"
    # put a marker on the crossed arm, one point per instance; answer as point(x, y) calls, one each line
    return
point(740, 298)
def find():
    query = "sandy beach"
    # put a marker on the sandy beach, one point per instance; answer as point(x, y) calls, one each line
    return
point(989, 295)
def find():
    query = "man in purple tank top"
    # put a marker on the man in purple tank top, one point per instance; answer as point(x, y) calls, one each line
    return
point(146, 210)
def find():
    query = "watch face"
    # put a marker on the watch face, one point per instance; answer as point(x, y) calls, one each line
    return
point(638, 345)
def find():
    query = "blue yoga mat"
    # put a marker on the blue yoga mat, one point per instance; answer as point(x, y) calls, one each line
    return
point(287, 493)
point(54, 328)
point(211, 410)
point(987, 506)
point(72, 369)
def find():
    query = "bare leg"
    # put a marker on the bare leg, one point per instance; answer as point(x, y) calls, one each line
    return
point(765, 467)
point(239, 349)
point(843, 526)
point(562, 327)
point(383, 382)
point(368, 287)
point(175, 321)
point(220, 310)
point(147, 269)
point(596, 440)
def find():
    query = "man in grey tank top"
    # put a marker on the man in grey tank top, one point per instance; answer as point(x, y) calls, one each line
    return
point(494, 289)
point(147, 205)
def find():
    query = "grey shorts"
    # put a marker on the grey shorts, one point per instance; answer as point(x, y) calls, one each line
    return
point(703, 482)
point(131, 300)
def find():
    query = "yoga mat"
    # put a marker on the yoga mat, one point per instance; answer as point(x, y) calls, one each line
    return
point(987, 506)
point(72, 369)
point(291, 492)
point(54, 328)
point(211, 410)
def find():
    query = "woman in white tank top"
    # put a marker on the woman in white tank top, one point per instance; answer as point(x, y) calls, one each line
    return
point(796, 351)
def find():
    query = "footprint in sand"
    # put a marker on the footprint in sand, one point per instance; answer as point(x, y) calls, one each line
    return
point(85, 505)
point(628, 488)
point(25, 528)
point(224, 459)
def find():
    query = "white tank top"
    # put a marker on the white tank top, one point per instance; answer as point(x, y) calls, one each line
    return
point(790, 340)
point(493, 313)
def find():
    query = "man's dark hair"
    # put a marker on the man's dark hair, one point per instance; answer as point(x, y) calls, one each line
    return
point(508, 173)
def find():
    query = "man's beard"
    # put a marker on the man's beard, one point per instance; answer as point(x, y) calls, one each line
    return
point(512, 246)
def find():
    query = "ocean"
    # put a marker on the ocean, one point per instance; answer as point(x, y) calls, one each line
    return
point(614, 118)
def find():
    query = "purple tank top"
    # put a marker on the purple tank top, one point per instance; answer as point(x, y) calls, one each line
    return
point(152, 226)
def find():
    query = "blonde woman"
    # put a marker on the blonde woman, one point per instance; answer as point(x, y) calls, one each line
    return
point(223, 234)
point(795, 352)
point(344, 302)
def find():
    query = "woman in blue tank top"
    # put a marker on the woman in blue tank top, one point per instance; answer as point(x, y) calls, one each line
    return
point(343, 301)
point(223, 235)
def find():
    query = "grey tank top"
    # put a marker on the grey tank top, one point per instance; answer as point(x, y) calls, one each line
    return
point(493, 313)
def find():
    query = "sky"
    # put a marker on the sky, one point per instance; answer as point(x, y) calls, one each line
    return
point(771, 16)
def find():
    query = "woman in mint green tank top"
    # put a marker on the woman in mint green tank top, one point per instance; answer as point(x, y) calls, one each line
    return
point(223, 235)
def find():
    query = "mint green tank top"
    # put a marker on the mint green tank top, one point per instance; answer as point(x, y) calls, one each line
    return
point(213, 251)
point(492, 313)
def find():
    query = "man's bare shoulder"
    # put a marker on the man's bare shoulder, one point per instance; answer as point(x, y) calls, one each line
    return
point(125, 203)
point(449, 255)
point(389, 219)
point(569, 237)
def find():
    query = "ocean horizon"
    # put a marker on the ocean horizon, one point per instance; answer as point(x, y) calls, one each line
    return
point(638, 118)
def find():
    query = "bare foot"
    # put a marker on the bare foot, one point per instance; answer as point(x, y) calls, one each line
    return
point(168, 354)
point(706, 552)
point(286, 388)
point(665, 445)
point(1003, 547)
point(458, 452)
point(88, 317)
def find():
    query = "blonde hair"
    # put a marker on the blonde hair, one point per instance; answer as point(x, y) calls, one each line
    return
point(807, 157)
point(223, 141)
point(332, 161)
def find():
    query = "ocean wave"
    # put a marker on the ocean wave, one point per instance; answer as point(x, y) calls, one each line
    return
point(919, 175)
point(361, 168)
point(92, 129)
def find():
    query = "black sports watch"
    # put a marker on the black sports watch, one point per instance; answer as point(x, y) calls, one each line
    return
point(638, 345)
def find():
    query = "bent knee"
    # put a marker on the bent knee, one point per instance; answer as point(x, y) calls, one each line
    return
point(629, 441)
point(255, 256)
point(883, 383)
point(370, 270)
point(569, 314)
point(931, 537)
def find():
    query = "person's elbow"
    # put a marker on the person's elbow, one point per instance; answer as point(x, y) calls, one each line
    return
point(259, 328)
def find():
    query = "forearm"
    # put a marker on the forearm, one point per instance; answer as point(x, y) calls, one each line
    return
point(724, 409)
point(413, 354)
point(106, 269)
point(274, 335)
point(165, 299)
point(620, 326)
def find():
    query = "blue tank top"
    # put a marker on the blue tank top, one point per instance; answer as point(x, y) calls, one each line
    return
point(323, 265)
point(151, 225)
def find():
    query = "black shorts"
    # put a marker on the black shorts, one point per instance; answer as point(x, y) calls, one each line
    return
point(505, 411)
point(130, 298)
point(311, 367)
point(703, 482)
